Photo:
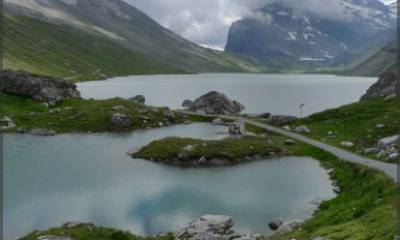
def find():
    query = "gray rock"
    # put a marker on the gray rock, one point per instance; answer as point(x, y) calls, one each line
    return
point(39, 88)
point(289, 142)
point(55, 110)
point(215, 103)
point(138, 99)
point(188, 104)
point(119, 108)
point(388, 141)
point(380, 126)
point(188, 148)
point(302, 129)
point(6, 123)
point(53, 237)
point(287, 127)
point(203, 160)
point(210, 224)
point(238, 127)
point(288, 226)
point(121, 120)
point(184, 156)
point(347, 144)
point(41, 132)
point(385, 87)
point(274, 225)
point(282, 120)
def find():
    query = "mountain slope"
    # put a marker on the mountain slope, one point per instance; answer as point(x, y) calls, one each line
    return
point(384, 60)
point(130, 28)
point(279, 34)
point(62, 51)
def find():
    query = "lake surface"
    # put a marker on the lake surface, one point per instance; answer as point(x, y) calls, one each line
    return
point(90, 178)
point(275, 93)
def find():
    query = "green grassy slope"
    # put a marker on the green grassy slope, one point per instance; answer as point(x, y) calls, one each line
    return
point(66, 52)
point(80, 115)
point(355, 122)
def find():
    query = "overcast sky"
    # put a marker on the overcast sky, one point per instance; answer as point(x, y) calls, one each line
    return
point(207, 22)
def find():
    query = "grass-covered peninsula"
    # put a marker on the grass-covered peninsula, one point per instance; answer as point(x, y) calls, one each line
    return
point(229, 151)
point(82, 115)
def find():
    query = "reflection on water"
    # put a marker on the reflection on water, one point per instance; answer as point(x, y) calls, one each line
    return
point(90, 178)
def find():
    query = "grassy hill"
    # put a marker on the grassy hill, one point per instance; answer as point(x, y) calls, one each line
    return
point(62, 51)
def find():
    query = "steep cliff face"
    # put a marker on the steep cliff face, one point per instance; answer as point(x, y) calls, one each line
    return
point(279, 34)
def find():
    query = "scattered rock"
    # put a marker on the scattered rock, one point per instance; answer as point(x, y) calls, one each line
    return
point(55, 110)
point(188, 148)
point(6, 123)
point(40, 132)
point(53, 237)
point(121, 120)
point(380, 126)
point(282, 120)
point(39, 88)
point(371, 150)
point(207, 227)
point(214, 103)
point(184, 156)
point(138, 99)
point(238, 127)
point(289, 142)
point(388, 141)
point(330, 133)
point(203, 160)
point(119, 108)
point(288, 226)
point(302, 129)
point(274, 225)
point(347, 144)
point(287, 127)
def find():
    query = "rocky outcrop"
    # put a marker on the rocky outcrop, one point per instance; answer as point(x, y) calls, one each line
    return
point(238, 127)
point(282, 120)
point(121, 120)
point(210, 227)
point(214, 103)
point(281, 227)
point(6, 123)
point(302, 129)
point(384, 88)
point(39, 88)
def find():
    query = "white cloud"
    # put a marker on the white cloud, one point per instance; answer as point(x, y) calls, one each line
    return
point(207, 22)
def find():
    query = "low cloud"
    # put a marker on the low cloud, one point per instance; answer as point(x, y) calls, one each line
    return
point(207, 22)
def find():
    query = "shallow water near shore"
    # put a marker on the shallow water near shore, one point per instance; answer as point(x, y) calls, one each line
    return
point(274, 93)
point(90, 178)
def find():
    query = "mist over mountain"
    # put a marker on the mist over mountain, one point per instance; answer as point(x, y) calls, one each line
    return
point(311, 33)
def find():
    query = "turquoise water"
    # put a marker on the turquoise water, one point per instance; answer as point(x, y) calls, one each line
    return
point(90, 178)
point(275, 93)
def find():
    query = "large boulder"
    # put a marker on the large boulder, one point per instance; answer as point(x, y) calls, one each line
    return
point(39, 88)
point(121, 120)
point(385, 87)
point(282, 120)
point(238, 127)
point(214, 103)
point(207, 227)
point(388, 141)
